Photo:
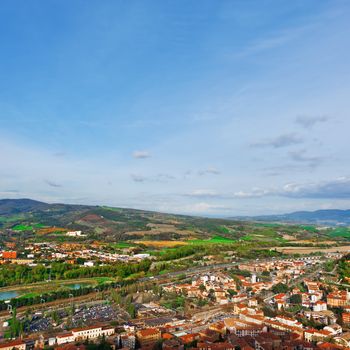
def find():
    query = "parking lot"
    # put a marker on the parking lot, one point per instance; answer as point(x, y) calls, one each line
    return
point(100, 313)
point(38, 324)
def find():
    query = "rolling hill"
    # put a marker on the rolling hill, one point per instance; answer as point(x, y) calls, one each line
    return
point(33, 219)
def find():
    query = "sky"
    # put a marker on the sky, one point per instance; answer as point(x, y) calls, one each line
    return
point(212, 107)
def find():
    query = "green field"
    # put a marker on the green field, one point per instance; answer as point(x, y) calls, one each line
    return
point(213, 240)
point(309, 228)
point(102, 280)
point(343, 232)
point(121, 245)
point(22, 228)
point(4, 219)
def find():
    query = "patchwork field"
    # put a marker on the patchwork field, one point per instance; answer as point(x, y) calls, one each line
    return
point(162, 244)
point(213, 240)
point(309, 250)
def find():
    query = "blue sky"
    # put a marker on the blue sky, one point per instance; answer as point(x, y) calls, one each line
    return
point(203, 107)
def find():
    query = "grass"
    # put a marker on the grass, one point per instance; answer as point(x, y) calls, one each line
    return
point(162, 244)
point(308, 228)
point(223, 229)
point(121, 245)
point(10, 219)
point(267, 234)
point(119, 210)
point(266, 225)
point(343, 232)
point(213, 240)
point(39, 226)
point(22, 228)
point(103, 280)
point(29, 295)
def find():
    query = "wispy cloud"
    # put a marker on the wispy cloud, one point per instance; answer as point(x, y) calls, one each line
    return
point(141, 154)
point(204, 207)
point(59, 154)
point(204, 193)
point(10, 191)
point(161, 177)
point(332, 189)
point(309, 122)
point(138, 178)
point(273, 41)
point(301, 156)
point(209, 171)
point(52, 183)
point(281, 141)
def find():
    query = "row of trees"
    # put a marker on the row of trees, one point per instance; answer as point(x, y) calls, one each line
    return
point(65, 294)
point(20, 274)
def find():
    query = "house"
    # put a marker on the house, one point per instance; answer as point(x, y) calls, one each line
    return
point(92, 332)
point(335, 329)
point(311, 335)
point(172, 344)
point(127, 341)
point(65, 338)
point(338, 299)
point(148, 336)
point(320, 306)
point(15, 344)
point(215, 346)
point(267, 341)
point(243, 328)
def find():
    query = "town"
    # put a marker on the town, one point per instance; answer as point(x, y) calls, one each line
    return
point(277, 303)
point(174, 175)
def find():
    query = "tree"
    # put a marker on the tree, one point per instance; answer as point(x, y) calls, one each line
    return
point(280, 288)
point(15, 325)
point(131, 309)
point(116, 297)
point(296, 299)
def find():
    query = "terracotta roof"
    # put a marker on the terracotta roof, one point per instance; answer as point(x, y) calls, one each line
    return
point(167, 336)
point(148, 332)
point(12, 344)
point(189, 337)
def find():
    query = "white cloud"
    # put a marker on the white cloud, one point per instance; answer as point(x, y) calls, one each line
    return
point(203, 193)
point(332, 189)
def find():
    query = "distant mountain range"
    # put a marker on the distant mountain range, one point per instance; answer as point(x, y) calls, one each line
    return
point(327, 217)
point(115, 224)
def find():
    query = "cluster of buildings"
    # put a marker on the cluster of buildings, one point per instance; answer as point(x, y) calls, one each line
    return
point(292, 268)
point(242, 312)
point(75, 335)
point(216, 286)
point(69, 252)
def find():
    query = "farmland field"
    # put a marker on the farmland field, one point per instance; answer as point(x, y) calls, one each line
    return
point(162, 244)
point(309, 250)
point(343, 232)
point(213, 240)
point(22, 228)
